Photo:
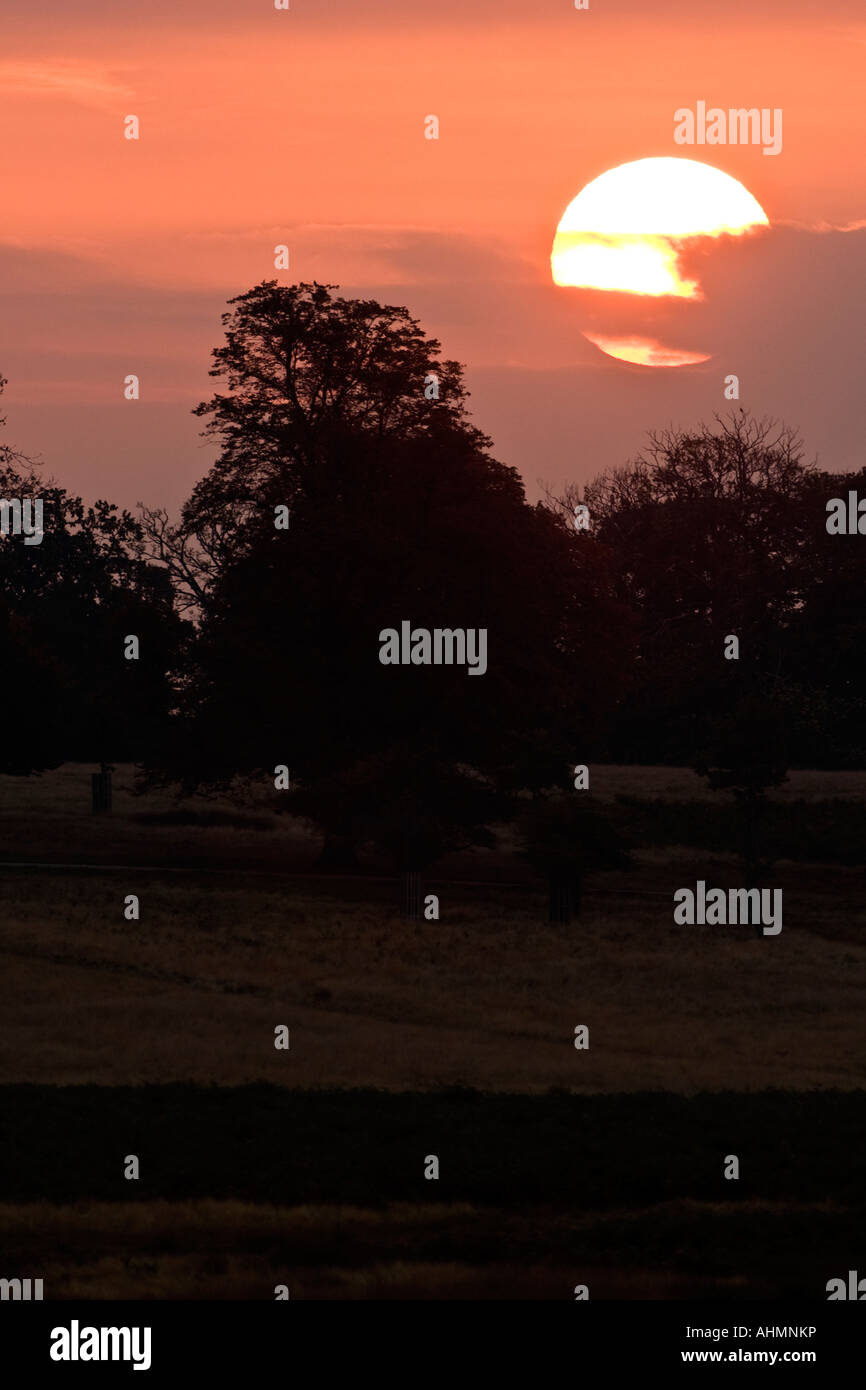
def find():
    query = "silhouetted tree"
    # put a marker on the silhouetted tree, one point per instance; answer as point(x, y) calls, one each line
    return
point(66, 606)
point(748, 752)
point(398, 513)
point(409, 808)
point(567, 838)
point(304, 373)
point(707, 534)
point(826, 654)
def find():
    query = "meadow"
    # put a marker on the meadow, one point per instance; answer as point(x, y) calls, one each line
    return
point(452, 1037)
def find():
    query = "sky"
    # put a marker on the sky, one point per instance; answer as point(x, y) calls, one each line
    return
point(306, 127)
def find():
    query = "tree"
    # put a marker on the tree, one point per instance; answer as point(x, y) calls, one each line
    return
point(304, 373)
point(826, 654)
point(749, 751)
point(66, 606)
point(567, 838)
point(398, 513)
point(409, 807)
point(707, 534)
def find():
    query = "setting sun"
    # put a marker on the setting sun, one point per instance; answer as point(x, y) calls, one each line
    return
point(626, 230)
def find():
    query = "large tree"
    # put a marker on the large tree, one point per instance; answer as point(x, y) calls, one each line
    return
point(707, 534)
point(303, 371)
point(398, 513)
point(827, 646)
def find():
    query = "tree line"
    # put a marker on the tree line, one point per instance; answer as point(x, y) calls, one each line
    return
point(352, 491)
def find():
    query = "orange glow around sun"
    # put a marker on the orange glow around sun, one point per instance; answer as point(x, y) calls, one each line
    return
point(626, 229)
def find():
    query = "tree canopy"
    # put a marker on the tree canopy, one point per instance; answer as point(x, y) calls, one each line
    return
point(66, 606)
point(398, 513)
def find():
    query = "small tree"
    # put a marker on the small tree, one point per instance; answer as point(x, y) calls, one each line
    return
point(409, 807)
point(747, 754)
point(566, 839)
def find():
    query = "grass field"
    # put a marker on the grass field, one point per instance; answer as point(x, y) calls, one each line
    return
point(209, 1249)
point(155, 1037)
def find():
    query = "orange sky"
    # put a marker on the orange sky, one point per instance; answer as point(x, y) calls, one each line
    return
point(307, 127)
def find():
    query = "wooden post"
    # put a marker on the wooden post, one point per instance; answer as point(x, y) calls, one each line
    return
point(412, 895)
point(564, 895)
point(100, 786)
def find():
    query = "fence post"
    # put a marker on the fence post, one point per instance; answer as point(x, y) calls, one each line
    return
point(564, 902)
point(100, 787)
point(412, 895)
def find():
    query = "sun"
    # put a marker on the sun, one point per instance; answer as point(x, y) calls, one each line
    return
point(626, 232)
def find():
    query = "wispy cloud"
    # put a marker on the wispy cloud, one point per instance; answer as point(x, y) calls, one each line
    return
point(800, 226)
point(66, 80)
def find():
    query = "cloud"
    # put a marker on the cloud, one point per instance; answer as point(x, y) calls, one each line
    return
point(67, 80)
point(802, 226)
